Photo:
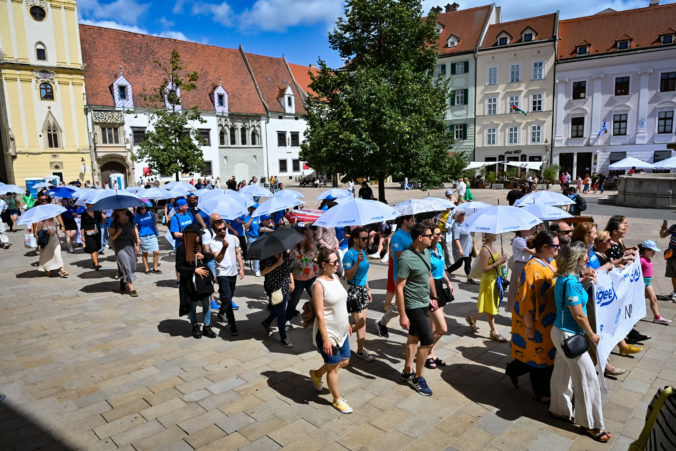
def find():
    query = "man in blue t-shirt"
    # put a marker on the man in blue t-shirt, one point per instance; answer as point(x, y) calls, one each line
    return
point(180, 221)
point(252, 234)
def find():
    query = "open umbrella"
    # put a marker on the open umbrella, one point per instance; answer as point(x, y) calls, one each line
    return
point(276, 204)
point(188, 187)
point(335, 193)
point(357, 212)
point(418, 206)
point(4, 189)
point(226, 206)
point(669, 163)
point(133, 189)
point(154, 194)
point(117, 201)
point(630, 162)
point(544, 198)
point(256, 190)
point(95, 195)
point(273, 243)
point(288, 192)
point(472, 207)
point(546, 212)
point(40, 185)
point(501, 219)
point(40, 213)
point(62, 192)
point(207, 200)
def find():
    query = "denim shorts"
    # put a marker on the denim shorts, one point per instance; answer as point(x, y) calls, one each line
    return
point(342, 354)
point(149, 244)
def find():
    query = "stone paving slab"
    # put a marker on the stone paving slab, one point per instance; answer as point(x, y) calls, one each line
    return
point(84, 367)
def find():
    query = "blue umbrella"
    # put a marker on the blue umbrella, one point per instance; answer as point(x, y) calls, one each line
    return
point(40, 213)
point(116, 202)
point(62, 192)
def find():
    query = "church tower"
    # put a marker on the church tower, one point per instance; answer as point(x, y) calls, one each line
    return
point(43, 129)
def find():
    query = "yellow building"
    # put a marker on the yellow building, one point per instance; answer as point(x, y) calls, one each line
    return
point(43, 129)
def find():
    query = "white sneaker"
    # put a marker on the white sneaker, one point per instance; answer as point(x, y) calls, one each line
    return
point(385, 259)
point(374, 255)
point(258, 273)
point(661, 320)
point(364, 355)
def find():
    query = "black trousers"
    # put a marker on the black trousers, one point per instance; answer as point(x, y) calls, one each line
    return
point(539, 377)
point(466, 260)
point(226, 290)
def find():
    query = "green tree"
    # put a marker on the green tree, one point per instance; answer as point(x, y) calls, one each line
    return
point(384, 113)
point(172, 146)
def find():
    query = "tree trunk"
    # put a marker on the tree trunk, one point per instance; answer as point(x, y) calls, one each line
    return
point(177, 174)
point(381, 189)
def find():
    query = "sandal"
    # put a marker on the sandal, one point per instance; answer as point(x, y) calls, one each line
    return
point(147, 272)
point(497, 338)
point(472, 323)
point(601, 436)
point(63, 274)
point(439, 362)
point(429, 363)
point(133, 293)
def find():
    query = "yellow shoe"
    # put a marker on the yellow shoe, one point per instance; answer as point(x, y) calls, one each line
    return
point(342, 405)
point(630, 349)
point(317, 381)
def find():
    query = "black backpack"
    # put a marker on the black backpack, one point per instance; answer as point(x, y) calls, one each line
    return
point(580, 203)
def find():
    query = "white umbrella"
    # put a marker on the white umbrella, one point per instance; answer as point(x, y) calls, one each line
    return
point(546, 212)
point(472, 207)
point(344, 200)
point(133, 189)
point(182, 184)
point(255, 190)
point(154, 194)
point(630, 162)
point(417, 206)
point(501, 219)
point(276, 204)
point(40, 185)
point(669, 163)
point(178, 191)
point(357, 212)
point(4, 189)
point(335, 193)
point(95, 195)
point(226, 206)
point(544, 198)
point(206, 200)
point(288, 192)
point(40, 213)
point(444, 203)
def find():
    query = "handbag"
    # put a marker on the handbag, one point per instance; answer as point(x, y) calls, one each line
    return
point(203, 285)
point(669, 254)
point(29, 241)
point(43, 238)
point(577, 344)
point(276, 297)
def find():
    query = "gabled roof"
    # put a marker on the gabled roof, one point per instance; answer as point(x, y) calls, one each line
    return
point(105, 50)
point(302, 76)
point(466, 25)
point(643, 25)
point(544, 26)
point(273, 76)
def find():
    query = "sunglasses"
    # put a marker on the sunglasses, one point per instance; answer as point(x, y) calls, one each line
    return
point(555, 246)
point(222, 229)
point(427, 235)
point(335, 262)
point(565, 232)
point(363, 238)
point(436, 234)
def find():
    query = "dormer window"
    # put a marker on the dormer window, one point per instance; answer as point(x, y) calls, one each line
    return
point(503, 40)
point(439, 28)
point(172, 97)
point(582, 49)
point(623, 44)
point(452, 41)
point(220, 99)
point(527, 37)
point(122, 92)
point(287, 100)
point(667, 39)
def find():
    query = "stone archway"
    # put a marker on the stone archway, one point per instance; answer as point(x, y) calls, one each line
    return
point(113, 167)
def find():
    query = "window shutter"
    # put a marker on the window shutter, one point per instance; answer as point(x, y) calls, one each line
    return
point(452, 68)
point(466, 66)
point(466, 94)
point(452, 98)
point(464, 131)
point(452, 127)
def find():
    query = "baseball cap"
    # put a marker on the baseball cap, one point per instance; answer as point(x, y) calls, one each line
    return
point(265, 217)
point(191, 194)
point(254, 206)
point(650, 244)
point(449, 192)
point(181, 202)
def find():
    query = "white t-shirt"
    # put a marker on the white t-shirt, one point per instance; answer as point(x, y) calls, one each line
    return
point(462, 188)
point(518, 249)
point(227, 266)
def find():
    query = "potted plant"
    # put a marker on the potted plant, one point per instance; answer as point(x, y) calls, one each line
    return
point(550, 174)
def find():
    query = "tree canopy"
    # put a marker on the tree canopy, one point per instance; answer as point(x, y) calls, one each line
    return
point(383, 113)
point(172, 146)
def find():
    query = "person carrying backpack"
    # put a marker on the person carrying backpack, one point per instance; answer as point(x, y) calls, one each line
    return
point(580, 204)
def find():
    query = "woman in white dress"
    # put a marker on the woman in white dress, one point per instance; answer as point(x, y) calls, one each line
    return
point(50, 255)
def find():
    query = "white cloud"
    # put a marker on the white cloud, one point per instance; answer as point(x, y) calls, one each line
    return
point(278, 15)
point(220, 12)
point(134, 29)
point(178, 7)
point(166, 23)
point(127, 11)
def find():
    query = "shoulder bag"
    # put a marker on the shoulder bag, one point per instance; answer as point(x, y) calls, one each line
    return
point(575, 345)
point(203, 285)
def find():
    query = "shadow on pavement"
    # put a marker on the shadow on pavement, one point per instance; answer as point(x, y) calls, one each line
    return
point(175, 327)
point(102, 287)
point(295, 387)
point(33, 274)
point(19, 431)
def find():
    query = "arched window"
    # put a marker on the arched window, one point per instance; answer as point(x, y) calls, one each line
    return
point(233, 136)
point(46, 91)
point(243, 136)
point(253, 138)
point(51, 132)
point(40, 52)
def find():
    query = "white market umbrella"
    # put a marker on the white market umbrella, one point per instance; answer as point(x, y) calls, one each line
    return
point(546, 212)
point(669, 163)
point(444, 203)
point(178, 191)
point(256, 190)
point(335, 193)
point(501, 219)
point(357, 212)
point(472, 207)
point(5, 189)
point(40, 213)
point(154, 194)
point(544, 198)
point(95, 195)
point(39, 186)
point(227, 207)
point(418, 206)
point(275, 204)
point(478, 164)
point(288, 192)
point(133, 189)
point(188, 187)
point(630, 162)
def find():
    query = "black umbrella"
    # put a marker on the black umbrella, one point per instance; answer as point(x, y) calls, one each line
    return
point(274, 243)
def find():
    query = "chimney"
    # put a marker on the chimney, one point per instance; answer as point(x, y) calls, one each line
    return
point(452, 7)
point(437, 9)
point(654, 3)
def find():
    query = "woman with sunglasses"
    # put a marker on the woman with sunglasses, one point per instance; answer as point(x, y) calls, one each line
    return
point(533, 316)
point(331, 329)
point(358, 294)
point(439, 327)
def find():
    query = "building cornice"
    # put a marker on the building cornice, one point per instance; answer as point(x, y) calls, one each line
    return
point(615, 54)
point(6, 64)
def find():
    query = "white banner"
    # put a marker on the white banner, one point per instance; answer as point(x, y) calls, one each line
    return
point(620, 303)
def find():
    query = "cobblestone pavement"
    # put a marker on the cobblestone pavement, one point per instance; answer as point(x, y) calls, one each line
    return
point(84, 367)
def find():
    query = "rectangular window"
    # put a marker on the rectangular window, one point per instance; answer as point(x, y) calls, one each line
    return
point(138, 135)
point(668, 81)
point(281, 139)
point(665, 121)
point(513, 135)
point(538, 70)
point(109, 135)
point(619, 124)
point(582, 49)
point(205, 134)
point(514, 73)
point(577, 127)
point(536, 134)
point(527, 37)
point(295, 139)
point(242, 136)
point(459, 131)
point(282, 166)
point(41, 54)
point(295, 165)
point(441, 69)
point(460, 97)
point(502, 40)
point(490, 137)
point(579, 89)
point(622, 45)
point(207, 169)
point(221, 100)
point(122, 92)
point(460, 68)
point(667, 39)
point(621, 86)
point(514, 100)
point(221, 138)
point(536, 102)
point(492, 75)
point(492, 106)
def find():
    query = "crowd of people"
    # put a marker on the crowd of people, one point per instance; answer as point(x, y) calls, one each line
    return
point(552, 269)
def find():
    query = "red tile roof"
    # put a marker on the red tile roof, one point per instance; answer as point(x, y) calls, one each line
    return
point(105, 50)
point(272, 77)
point(302, 76)
point(543, 26)
point(466, 25)
point(643, 25)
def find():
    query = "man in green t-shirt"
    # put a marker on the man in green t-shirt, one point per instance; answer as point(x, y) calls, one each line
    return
point(414, 285)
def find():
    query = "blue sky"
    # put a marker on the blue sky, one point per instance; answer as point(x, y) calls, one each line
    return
point(297, 29)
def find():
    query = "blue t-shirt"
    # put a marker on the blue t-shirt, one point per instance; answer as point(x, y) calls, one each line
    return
point(438, 264)
point(341, 237)
point(252, 231)
point(400, 241)
point(349, 260)
point(71, 211)
point(593, 259)
point(145, 223)
point(238, 226)
point(178, 223)
point(278, 217)
point(575, 294)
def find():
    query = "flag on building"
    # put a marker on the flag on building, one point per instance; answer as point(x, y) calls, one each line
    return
point(516, 108)
point(604, 129)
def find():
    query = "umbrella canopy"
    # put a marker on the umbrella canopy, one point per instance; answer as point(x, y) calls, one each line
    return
point(630, 162)
point(95, 195)
point(544, 198)
point(117, 201)
point(335, 193)
point(478, 164)
point(256, 190)
point(133, 189)
point(62, 192)
point(444, 203)
point(357, 213)
point(532, 165)
point(154, 193)
point(273, 243)
point(276, 204)
point(4, 189)
point(40, 213)
point(288, 192)
point(178, 191)
point(472, 207)
point(669, 163)
point(417, 206)
point(546, 212)
point(207, 200)
point(501, 219)
point(226, 206)
point(187, 186)
point(39, 186)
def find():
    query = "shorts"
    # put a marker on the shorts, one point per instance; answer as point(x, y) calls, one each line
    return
point(149, 244)
point(671, 268)
point(92, 243)
point(69, 223)
point(647, 281)
point(419, 319)
point(390, 277)
point(357, 298)
point(342, 354)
